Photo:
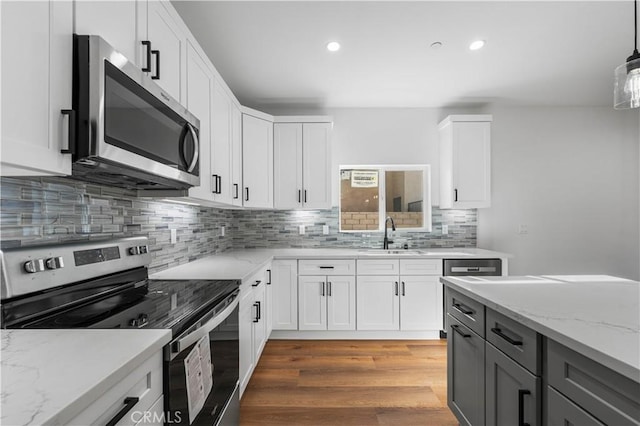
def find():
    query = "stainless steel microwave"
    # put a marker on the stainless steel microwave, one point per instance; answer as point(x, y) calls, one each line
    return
point(125, 130)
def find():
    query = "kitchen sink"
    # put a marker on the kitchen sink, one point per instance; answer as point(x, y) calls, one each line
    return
point(446, 253)
point(378, 252)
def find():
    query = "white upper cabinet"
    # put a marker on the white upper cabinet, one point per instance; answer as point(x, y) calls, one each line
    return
point(36, 58)
point(222, 119)
point(465, 161)
point(200, 85)
point(166, 48)
point(115, 21)
point(257, 162)
point(236, 156)
point(302, 164)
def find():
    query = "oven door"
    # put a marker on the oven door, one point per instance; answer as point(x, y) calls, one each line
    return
point(184, 390)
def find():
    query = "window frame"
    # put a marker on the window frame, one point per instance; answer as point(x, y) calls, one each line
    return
point(382, 210)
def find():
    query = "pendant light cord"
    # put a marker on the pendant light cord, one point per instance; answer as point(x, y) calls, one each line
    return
point(635, 26)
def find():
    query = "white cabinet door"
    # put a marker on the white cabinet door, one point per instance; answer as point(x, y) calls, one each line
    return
point(259, 325)
point(420, 303)
point(199, 87)
point(247, 314)
point(284, 278)
point(36, 61)
point(378, 303)
point(257, 162)
point(287, 165)
point(221, 144)
point(116, 22)
point(168, 47)
point(312, 302)
point(341, 303)
point(465, 161)
point(316, 165)
point(236, 155)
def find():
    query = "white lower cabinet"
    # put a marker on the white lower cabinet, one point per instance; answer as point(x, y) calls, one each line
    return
point(284, 283)
point(144, 383)
point(253, 330)
point(392, 301)
point(326, 302)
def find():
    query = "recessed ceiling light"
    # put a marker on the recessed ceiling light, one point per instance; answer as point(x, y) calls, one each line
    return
point(436, 45)
point(333, 46)
point(478, 44)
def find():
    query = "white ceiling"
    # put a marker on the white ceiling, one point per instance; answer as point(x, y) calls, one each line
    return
point(272, 53)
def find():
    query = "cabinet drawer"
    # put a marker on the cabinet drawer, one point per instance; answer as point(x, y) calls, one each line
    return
point(514, 339)
point(562, 412)
point(420, 266)
point(379, 267)
point(466, 310)
point(607, 395)
point(145, 383)
point(327, 267)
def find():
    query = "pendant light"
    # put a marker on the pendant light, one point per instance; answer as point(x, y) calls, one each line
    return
point(626, 93)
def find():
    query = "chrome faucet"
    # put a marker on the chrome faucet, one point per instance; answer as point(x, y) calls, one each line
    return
point(386, 242)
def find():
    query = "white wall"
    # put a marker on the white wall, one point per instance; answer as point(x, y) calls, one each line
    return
point(571, 176)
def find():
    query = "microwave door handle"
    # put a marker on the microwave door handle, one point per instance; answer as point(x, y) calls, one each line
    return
point(196, 148)
point(188, 340)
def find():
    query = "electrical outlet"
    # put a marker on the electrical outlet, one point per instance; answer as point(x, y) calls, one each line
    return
point(301, 229)
point(445, 229)
point(523, 229)
point(222, 231)
point(325, 229)
point(174, 236)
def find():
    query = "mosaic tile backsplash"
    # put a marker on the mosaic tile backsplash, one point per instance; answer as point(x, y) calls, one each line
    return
point(57, 209)
point(51, 210)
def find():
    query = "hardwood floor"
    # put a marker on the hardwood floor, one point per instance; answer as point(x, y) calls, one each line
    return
point(349, 382)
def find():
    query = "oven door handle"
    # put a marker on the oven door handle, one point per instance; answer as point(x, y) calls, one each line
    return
point(191, 338)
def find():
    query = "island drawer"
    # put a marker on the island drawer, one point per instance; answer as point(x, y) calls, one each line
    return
point(327, 267)
point(609, 396)
point(379, 267)
point(561, 411)
point(519, 342)
point(421, 267)
point(466, 310)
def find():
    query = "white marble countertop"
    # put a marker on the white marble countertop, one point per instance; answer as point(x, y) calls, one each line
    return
point(50, 376)
point(241, 264)
point(597, 316)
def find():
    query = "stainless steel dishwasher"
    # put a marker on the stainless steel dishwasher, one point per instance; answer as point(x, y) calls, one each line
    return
point(462, 267)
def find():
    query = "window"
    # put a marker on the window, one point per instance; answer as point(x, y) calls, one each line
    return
point(368, 194)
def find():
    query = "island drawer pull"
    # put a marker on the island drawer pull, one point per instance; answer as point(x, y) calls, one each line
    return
point(462, 308)
point(129, 403)
point(456, 328)
point(326, 267)
point(499, 332)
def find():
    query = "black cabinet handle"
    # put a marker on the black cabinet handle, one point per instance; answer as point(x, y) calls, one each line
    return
point(322, 288)
point(215, 184)
point(326, 267)
point(329, 288)
point(256, 284)
point(219, 185)
point(246, 198)
point(129, 402)
point(455, 192)
point(403, 288)
point(235, 189)
point(257, 306)
point(305, 195)
point(269, 280)
point(460, 307)
point(71, 143)
point(499, 332)
point(147, 44)
point(521, 394)
point(396, 287)
point(456, 328)
point(299, 196)
point(157, 75)
point(259, 310)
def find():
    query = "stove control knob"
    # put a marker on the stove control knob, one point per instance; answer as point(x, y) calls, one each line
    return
point(33, 266)
point(143, 319)
point(134, 250)
point(55, 263)
point(133, 322)
point(144, 249)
